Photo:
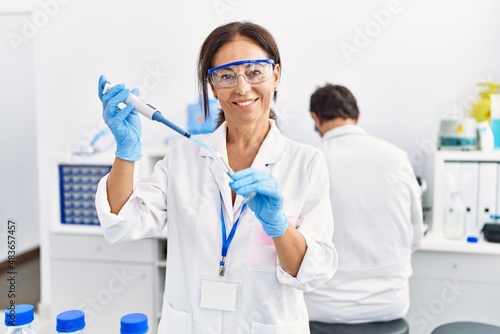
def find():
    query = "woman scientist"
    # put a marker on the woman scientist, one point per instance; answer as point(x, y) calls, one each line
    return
point(240, 251)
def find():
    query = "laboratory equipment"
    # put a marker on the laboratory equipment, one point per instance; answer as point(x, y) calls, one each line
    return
point(491, 230)
point(458, 134)
point(197, 124)
point(70, 322)
point(481, 108)
point(472, 235)
point(18, 319)
point(495, 118)
point(77, 188)
point(454, 223)
point(134, 323)
point(151, 112)
point(98, 142)
point(486, 141)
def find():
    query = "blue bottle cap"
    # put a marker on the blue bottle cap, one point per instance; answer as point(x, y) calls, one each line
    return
point(134, 323)
point(19, 315)
point(472, 239)
point(70, 321)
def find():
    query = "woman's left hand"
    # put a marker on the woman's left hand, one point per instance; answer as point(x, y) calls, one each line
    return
point(267, 201)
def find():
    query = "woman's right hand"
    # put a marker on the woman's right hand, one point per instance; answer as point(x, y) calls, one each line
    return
point(123, 123)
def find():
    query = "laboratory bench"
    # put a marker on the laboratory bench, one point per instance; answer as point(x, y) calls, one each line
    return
point(454, 280)
point(433, 242)
point(106, 280)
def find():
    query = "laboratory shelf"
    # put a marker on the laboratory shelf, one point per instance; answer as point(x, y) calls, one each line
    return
point(476, 176)
point(477, 156)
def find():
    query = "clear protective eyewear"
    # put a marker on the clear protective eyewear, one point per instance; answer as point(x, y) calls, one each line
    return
point(255, 71)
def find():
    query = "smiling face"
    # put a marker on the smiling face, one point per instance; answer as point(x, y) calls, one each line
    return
point(245, 104)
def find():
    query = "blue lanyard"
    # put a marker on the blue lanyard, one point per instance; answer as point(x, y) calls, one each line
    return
point(226, 240)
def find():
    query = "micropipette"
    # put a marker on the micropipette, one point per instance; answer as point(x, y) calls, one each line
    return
point(154, 114)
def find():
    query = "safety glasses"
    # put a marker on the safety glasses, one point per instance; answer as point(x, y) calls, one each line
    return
point(254, 71)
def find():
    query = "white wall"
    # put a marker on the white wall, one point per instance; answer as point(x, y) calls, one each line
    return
point(418, 67)
point(18, 148)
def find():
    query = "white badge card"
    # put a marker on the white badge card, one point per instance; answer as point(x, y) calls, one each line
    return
point(218, 295)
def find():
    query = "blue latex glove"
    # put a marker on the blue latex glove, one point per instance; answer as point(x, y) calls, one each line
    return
point(123, 123)
point(267, 202)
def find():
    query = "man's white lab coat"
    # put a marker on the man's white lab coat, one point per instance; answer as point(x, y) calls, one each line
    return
point(376, 203)
point(185, 191)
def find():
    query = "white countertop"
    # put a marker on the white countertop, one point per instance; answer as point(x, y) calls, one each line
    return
point(77, 229)
point(431, 242)
point(87, 230)
point(437, 243)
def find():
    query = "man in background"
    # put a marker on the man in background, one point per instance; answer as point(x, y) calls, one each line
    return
point(377, 209)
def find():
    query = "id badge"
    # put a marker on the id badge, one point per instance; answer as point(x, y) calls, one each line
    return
point(219, 295)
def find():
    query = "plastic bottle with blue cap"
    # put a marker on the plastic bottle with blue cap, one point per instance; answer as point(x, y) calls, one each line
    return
point(70, 322)
point(495, 119)
point(134, 323)
point(18, 319)
point(473, 231)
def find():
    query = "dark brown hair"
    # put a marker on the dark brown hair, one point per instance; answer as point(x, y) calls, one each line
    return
point(221, 36)
point(334, 101)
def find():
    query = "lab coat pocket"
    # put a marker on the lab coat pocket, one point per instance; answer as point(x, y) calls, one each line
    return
point(262, 255)
point(298, 326)
point(175, 321)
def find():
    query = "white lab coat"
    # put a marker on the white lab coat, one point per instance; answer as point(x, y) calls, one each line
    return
point(376, 203)
point(185, 191)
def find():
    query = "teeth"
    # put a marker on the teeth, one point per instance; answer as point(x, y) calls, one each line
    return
point(244, 103)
